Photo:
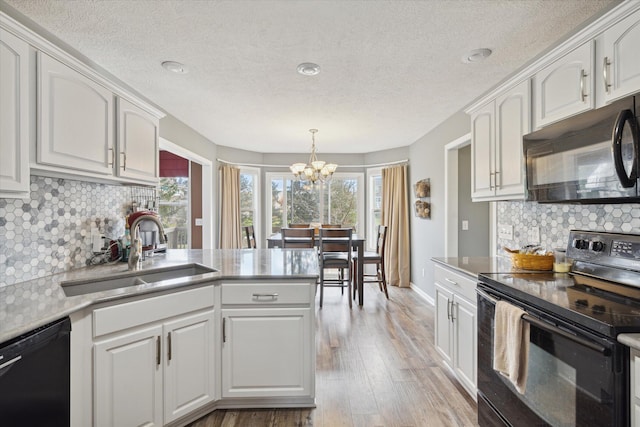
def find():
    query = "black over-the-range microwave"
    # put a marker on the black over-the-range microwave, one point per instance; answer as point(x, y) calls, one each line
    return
point(589, 158)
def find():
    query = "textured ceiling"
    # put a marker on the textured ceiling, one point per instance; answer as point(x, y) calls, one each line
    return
point(391, 71)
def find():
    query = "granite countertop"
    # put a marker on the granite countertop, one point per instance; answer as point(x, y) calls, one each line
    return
point(27, 305)
point(631, 340)
point(473, 266)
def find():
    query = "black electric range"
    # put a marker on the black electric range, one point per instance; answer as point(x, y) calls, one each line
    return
point(602, 292)
point(577, 373)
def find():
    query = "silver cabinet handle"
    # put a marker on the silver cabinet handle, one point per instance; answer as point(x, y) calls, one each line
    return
point(452, 316)
point(492, 175)
point(124, 161)
point(451, 281)
point(273, 296)
point(448, 308)
point(10, 362)
point(113, 153)
point(495, 179)
point(158, 354)
point(224, 329)
point(583, 76)
point(169, 346)
point(605, 74)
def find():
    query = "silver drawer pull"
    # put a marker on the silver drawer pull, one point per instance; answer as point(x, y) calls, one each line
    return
point(451, 281)
point(273, 296)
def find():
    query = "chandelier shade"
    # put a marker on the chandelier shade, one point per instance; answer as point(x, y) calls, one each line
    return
point(315, 170)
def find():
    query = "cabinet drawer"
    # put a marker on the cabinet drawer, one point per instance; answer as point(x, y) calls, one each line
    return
point(266, 293)
point(457, 282)
point(130, 314)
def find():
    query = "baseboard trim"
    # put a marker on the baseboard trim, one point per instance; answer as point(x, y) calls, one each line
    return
point(425, 296)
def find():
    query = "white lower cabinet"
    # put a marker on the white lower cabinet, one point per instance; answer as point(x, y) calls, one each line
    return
point(456, 325)
point(266, 352)
point(128, 379)
point(268, 344)
point(156, 372)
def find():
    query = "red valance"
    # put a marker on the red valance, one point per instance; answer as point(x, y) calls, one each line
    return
point(172, 165)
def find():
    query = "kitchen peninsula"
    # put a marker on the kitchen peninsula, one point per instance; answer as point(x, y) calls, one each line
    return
point(239, 331)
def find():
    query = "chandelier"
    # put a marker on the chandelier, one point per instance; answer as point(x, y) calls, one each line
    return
point(316, 170)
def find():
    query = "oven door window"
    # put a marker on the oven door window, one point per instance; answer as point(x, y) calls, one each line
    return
point(568, 384)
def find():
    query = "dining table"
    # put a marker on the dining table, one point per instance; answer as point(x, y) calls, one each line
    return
point(357, 243)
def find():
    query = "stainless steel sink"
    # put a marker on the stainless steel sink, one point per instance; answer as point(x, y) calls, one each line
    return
point(82, 287)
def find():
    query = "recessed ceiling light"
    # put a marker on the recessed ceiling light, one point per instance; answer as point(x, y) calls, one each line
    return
point(175, 67)
point(308, 69)
point(476, 55)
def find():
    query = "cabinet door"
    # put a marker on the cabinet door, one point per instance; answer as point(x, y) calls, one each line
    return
point(512, 122)
point(482, 152)
point(565, 87)
point(190, 356)
point(444, 343)
point(465, 344)
point(267, 352)
point(75, 119)
point(128, 379)
point(14, 120)
point(137, 143)
point(621, 64)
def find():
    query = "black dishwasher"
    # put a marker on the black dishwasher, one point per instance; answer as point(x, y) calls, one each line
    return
point(34, 377)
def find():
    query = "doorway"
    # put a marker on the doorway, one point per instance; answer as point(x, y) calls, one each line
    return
point(468, 225)
point(190, 201)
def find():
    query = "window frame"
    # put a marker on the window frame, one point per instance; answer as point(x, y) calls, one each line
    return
point(270, 176)
point(372, 173)
point(257, 206)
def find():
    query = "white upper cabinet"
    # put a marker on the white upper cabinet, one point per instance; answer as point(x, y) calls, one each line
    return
point(565, 87)
point(483, 151)
point(137, 143)
point(76, 125)
point(496, 145)
point(621, 61)
point(513, 121)
point(14, 120)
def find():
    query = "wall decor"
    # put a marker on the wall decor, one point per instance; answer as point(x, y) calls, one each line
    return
point(423, 209)
point(422, 191)
point(422, 188)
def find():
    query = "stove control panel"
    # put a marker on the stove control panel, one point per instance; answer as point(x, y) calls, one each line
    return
point(605, 249)
point(625, 249)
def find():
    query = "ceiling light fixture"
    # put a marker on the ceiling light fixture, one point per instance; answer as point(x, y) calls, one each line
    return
point(476, 55)
point(175, 67)
point(316, 170)
point(308, 69)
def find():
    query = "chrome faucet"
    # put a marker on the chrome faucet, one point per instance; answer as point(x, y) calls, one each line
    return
point(135, 253)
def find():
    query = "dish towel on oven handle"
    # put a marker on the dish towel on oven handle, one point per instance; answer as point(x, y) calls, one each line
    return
point(511, 344)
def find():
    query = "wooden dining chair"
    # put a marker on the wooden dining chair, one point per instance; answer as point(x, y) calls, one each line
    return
point(335, 253)
point(299, 225)
point(298, 238)
point(376, 258)
point(250, 236)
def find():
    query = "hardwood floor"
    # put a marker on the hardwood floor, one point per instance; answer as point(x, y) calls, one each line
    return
point(376, 366)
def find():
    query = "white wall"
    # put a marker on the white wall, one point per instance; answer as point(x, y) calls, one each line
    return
point(427, 161)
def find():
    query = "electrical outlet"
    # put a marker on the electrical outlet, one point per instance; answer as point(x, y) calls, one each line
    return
point(465, 224)
point(97, 242)
point(533, 236)
point(505, 231)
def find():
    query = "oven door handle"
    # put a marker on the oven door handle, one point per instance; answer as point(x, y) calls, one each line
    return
point(539, 323)
point(486, 296)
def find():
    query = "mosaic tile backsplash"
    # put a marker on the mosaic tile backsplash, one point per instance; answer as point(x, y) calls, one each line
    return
point(555, 220)
point(50, 232)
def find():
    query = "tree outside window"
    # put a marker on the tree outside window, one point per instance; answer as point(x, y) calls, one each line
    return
point(173, 209)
